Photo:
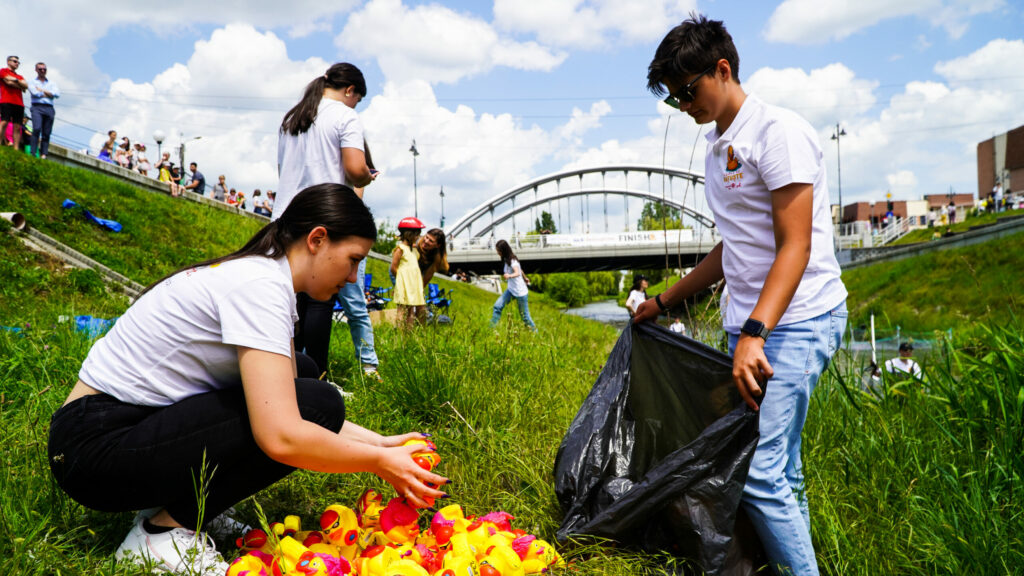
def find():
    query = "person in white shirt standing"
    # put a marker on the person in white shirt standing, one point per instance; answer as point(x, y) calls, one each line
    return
point(637, 294)
point(321, 140)
point(516, 290)
point(43, 92)
point(904, 365)
point(786, 311)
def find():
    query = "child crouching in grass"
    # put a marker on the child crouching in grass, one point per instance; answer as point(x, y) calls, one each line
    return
point(406, 270)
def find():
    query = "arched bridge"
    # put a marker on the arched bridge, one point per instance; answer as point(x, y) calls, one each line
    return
point(472, 237)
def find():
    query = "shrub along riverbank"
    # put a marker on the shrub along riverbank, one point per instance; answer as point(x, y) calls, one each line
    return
point(915, 481)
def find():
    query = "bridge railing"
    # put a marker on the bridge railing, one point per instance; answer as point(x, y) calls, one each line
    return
point(639, 238)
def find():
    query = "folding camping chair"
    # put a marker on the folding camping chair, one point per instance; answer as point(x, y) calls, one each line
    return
point(439, 301)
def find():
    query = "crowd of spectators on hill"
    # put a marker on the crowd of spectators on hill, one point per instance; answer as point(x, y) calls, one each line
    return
point(15, 119)
point(133, 157)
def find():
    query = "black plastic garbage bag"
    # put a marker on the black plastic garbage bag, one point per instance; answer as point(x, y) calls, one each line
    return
point(658, 454)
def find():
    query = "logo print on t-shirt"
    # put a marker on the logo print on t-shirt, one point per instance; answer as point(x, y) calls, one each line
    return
point(733, 164)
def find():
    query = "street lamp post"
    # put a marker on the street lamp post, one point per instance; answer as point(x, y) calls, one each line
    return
point(839, 133)
point(442, 206)
point(415, 196)
point(159, 136)
point(181, 149)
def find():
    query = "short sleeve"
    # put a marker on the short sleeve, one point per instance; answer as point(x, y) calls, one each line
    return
point(350, 132)
point(790, 153)
point(267, 326)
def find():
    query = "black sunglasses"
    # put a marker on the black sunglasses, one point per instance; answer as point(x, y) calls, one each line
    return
point(688, 92)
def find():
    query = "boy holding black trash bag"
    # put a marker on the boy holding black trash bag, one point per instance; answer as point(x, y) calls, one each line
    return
point(765, 183)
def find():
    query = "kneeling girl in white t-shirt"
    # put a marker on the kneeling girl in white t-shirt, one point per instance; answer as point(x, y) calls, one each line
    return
point(193, 378)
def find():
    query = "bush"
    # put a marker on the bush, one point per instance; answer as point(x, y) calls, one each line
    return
point(570, 289)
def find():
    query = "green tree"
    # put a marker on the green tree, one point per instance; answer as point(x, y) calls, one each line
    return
point(545, 224)
point(387, 238)
point(658, 216)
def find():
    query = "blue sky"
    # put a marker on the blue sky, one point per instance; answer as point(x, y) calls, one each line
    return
point(499, 93)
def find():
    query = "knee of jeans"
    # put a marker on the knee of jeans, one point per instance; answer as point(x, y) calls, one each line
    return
point(320, 403)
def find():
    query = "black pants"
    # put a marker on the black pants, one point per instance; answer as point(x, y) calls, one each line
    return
point(313, 332)
point(115, 457)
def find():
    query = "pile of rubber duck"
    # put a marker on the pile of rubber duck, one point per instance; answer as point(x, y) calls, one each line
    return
point(376, 539)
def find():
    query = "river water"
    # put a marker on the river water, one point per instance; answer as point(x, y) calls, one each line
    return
point(607, 311)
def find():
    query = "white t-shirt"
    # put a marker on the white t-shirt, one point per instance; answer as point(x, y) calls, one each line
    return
point(905, 365)
point(314, 157)
point(635, 299)
point(764, 149)
point(677, 327)
point(517, 286)
point(181, 338)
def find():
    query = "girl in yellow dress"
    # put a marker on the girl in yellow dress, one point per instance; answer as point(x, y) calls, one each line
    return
point(406, 270)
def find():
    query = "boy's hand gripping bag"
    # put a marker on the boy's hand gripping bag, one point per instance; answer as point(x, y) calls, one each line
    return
point(658, 454)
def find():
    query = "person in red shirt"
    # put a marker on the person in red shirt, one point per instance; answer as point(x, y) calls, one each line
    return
point(12, 106)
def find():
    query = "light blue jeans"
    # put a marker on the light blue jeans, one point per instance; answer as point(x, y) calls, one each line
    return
point(524, 308)
point(353, 301)
point(774, 497)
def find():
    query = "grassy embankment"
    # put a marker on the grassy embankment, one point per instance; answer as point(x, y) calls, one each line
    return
point(980, 219)
point(913, 483)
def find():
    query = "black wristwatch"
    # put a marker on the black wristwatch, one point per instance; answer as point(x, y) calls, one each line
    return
point(755, 328)
point(661, 305)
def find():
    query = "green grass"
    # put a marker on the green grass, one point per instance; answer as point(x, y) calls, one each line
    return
point(908, 482)
point(160, 234)
point(959, 289)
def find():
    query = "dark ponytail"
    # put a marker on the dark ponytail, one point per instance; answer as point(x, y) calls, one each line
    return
point(505, 252)
point(333, 206)
point(339, 76)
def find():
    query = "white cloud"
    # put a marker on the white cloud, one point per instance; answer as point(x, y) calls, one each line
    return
point(902, 181)
point(591, 23)
point(825, 95)
point(435, 43)
point(79, 25)
point(817, 21)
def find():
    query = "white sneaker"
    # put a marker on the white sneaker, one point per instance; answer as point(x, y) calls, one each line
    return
point(225, 527)
point(180, 551)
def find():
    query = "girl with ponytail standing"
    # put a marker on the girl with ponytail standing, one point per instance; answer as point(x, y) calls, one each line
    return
point(192, 378)
point(321, 140)
point(516, 290)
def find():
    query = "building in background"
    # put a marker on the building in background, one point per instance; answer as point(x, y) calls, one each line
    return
point(1001, 159)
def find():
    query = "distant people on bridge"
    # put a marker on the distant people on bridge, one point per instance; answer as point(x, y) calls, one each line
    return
point(637, 294)
point(997, 193)
point(516, 288)
point(765, 182)
point(321, 140)
point(232, 199)
point(951, 211)
point(408, 295)
point(12, 104)
point(677, 326)
point(433, 250)
point(43, 92)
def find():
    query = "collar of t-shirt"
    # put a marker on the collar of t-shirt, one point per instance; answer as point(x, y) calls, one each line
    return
point(750, 104)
